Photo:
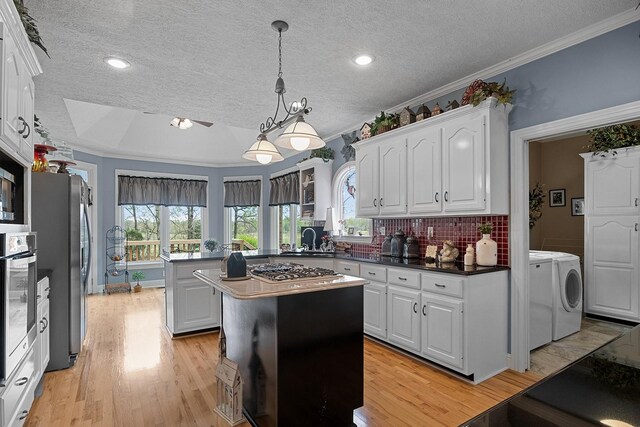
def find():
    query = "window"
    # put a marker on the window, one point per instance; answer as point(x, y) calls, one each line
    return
point(242, 219)
point(345, 194)
point(287, 224)
point(152, 228)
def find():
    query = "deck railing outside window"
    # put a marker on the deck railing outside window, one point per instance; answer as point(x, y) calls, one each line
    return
point(150, 250)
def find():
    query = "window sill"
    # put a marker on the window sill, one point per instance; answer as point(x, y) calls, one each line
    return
point(365, 240)
point(143, 265)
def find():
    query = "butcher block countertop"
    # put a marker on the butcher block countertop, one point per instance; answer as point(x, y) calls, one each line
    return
point(252, 288)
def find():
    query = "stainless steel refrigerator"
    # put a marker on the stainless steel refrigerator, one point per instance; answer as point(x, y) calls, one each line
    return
point(59, 216)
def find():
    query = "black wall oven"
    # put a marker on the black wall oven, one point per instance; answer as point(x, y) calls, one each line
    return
point(18, 282)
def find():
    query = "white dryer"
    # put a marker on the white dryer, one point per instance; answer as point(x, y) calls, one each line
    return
point(567, 293)
point(540, 300)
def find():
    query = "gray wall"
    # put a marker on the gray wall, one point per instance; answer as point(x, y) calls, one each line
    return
point(596, 74)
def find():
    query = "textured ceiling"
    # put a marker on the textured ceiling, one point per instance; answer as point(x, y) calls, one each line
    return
point(217, 61)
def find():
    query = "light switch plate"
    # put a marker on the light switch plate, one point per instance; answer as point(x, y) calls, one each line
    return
point(382, 230)
point(429, 231)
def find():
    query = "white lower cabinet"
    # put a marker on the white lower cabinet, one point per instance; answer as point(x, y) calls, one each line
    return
point(17, 396)
point(191, 305)
point(375, 309)
point(43, 341)
point(458, 321)
point(403, 321)
point(442, 329)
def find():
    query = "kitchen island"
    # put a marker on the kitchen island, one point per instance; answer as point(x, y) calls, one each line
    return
point(298, 344)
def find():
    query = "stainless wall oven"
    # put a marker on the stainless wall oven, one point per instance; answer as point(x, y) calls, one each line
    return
point(18, 282)
point(7, 196)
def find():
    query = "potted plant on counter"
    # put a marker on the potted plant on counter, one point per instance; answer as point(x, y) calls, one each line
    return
point(137, 276)
point(486, 248)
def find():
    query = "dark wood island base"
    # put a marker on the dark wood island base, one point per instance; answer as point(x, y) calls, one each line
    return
point(300, 356)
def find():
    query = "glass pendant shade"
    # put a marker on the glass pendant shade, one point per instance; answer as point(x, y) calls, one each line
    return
point(263, 152)
point(299, 136)
point(181, 123)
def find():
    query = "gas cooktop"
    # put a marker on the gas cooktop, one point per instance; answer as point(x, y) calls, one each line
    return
point(289, 271)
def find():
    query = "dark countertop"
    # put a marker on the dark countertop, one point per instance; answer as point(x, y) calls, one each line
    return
point(43, 272)
point(417, 263)
point(604, 385)
point(205, 256)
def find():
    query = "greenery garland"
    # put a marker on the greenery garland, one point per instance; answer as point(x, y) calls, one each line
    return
point(30, 26)
point(609, 138)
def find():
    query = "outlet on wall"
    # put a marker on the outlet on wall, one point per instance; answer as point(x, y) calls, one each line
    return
point(382, 230)
point(429, 232)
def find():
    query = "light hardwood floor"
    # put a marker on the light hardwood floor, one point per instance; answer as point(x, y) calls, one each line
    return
point(131, 373)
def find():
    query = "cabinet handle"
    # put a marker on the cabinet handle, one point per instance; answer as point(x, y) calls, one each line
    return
point(636, 226)
point(38, 296)
point(23, 415)
point(21, 131)
point(28, 130)
point(47, 289)
point(446, 196)
point(347, 268)
point(43, 327)
point(47, 323)
point(380, 201)
point(22, 381)
point(214, 291)
point(372, 273)
point(636, 201)
point(415, 307)
point(436, 197)
point(424, 310)
point(404, 279)
point(374, 203)
point(440, 286)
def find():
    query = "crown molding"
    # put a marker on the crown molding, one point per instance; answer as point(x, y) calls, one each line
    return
point(584, 34)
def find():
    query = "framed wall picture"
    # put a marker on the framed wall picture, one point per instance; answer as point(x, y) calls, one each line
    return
point(577, 206)
point(557, 198)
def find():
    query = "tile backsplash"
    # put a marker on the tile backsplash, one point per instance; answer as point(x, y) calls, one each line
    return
point(461, 230)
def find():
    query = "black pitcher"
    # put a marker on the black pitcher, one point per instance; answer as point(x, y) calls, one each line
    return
point(397, 244)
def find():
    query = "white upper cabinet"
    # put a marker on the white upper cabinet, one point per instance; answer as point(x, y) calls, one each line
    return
point(19, 66)
point(315, 188)
point(456, 163)
point(614, 183)
point(424, 162)
point(368, 180)
point(393, 178)
point(464, 172)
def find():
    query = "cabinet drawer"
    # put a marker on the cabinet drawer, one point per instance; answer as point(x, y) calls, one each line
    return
point(18, 386)
point(43, 289)
point(404, 277)
point(439, 284)
point(373, 272)
point(186, 271)
point(348, 267)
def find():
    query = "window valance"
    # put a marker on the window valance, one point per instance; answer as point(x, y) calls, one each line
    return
point(139, 190)
point(285, 189)
point(241, 193)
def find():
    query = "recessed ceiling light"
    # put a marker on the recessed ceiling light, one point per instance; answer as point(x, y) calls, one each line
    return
point(118, 63)
point(363, 59)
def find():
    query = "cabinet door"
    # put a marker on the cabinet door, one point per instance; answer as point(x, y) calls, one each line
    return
point(375, 309)
point(11, 92)
point(43, 335)
point(442, 329)
point(393, 177)
point(198, 306)
point(368, 180)
point(27, 96)
point(403, 326)
point(611, 267)
point(463, 170)
point(424, 171)
point(613, 186)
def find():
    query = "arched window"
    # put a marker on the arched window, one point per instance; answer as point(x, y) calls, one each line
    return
point(344, 194)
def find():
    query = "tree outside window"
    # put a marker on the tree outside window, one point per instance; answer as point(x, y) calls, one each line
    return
point(244, 223)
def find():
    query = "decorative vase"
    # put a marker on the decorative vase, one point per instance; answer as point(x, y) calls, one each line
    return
point(469, 255)
point(486, 251)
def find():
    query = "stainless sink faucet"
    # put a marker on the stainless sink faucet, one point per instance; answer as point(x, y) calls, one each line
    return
point(313, 244)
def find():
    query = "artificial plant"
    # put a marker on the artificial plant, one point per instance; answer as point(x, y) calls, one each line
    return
point(536, 200)
point(609, 138)
point(325, 153)
point(479, 90)
point(30, 26)
point(485, 228)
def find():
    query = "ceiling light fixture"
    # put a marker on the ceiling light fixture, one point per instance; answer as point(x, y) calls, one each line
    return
point(363, 59)
point(263, 152)
point(118, 63)
point(299, 135)
point(181, 123)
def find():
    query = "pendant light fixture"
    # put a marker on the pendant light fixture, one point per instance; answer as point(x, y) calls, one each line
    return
point(299, 135)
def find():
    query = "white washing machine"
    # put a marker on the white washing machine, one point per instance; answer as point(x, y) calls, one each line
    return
point(540, 300)
point(567, 293)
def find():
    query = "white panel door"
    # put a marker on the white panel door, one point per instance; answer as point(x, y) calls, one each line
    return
point(393, 177)
point(442, 329)
point(463, 170)
point(613, 186)
point(368, 181)
point(11, 92)
point(199, 306)
point(424, 171)
point(403, 320)
point(375, 309)
point(611, 266)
